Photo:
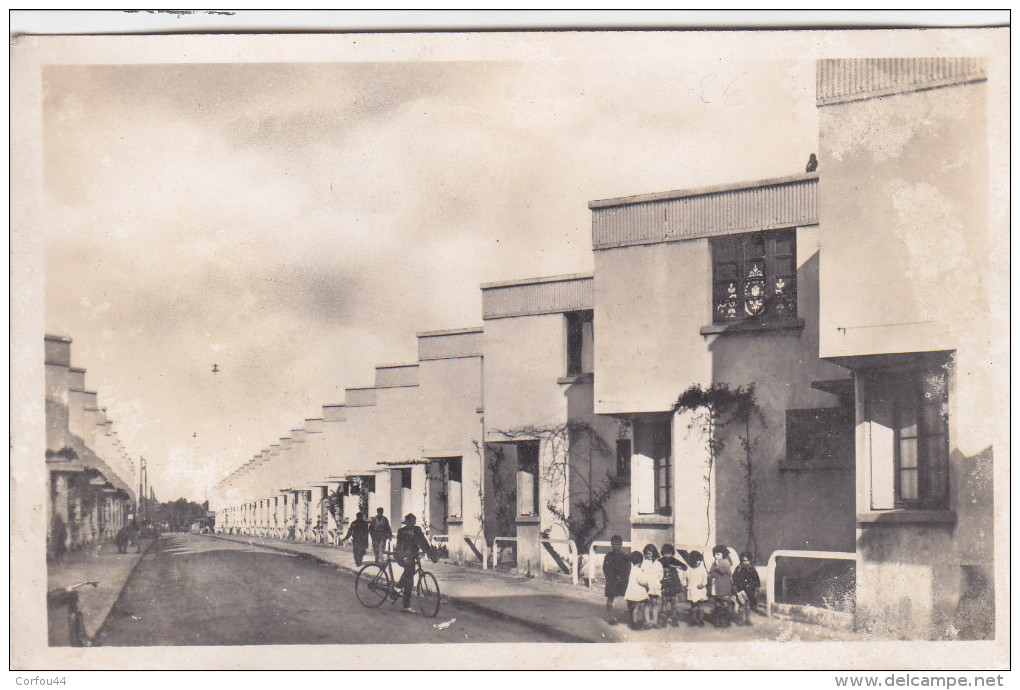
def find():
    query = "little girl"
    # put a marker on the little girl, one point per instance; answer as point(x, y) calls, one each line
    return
point(696, 579)
point(637, 592)
point(721, 586)
point(653, 575)
point(670, 583)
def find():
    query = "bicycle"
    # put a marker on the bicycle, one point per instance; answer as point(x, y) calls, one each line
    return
point(77, 636)
point(376, 584)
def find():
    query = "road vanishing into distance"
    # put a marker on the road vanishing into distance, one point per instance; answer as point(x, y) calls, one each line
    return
point(198, 590)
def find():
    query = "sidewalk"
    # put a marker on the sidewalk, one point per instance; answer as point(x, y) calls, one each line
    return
point(101, 564)
point(566, 612)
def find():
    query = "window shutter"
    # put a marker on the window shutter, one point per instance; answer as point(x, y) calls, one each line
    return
point(453, 487)
point(454, 499)
point(525, 493)
point(643, 472)
point(587, 347)
point(883, 439)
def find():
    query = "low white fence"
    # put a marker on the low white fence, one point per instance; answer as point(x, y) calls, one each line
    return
point(770, 573)
point(495, 549)
point(571, 555)
point(482, 553)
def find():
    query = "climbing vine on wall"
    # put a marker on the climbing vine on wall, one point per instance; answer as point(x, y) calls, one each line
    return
point(503, 504)
point(334, 504)
point(721, 406)
point(576, 492)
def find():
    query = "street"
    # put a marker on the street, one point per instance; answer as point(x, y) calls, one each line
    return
point(194, 590)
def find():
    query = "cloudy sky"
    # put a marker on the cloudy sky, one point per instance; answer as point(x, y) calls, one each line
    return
point(297, 223)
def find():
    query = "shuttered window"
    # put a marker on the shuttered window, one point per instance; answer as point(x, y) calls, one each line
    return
point(908, 417)
point(652, 467)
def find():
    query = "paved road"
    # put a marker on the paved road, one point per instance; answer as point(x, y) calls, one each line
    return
point(191, 590)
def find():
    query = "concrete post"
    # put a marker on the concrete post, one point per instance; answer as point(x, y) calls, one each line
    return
point(693, 496)
point(418, 495)
point(61, 507)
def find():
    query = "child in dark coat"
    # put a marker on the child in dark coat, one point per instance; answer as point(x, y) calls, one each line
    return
point(616, 568)
point(670, 584)
point(745, 586)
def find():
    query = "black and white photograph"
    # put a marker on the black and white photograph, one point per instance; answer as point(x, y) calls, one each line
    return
point(587, 349)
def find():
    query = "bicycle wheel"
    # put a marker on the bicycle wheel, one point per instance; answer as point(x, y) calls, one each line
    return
point(372, 585)
point(428, 594)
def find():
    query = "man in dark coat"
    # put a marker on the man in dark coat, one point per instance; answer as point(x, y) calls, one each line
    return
point(128, 535)
point(58, 538)
point(410, 540)
point(379, 529)
point(358, 534)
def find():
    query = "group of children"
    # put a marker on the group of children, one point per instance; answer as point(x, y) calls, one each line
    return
point(654, 584)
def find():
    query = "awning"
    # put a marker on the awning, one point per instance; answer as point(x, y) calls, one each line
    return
point(841, 387)
point(88, 458)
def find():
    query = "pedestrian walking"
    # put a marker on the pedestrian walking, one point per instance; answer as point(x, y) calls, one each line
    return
point(358, 534)
point(380, 530)
point(58, 539)
point(128, 535)
point(616, 568)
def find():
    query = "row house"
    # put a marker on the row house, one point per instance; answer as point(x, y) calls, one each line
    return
point(451, 418)
point(792, 365)
point(92, 479)
point(410, 443)
point(906, 309)
point(701, 295)
point(547, 452)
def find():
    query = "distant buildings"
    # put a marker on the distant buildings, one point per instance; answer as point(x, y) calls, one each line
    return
point(784, 364)
point(93, 482)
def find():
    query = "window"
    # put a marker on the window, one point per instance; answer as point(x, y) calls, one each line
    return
point(819, 439)
point(527, 478)
point(580, 342)
point(653, 467)
point(922, 441)
point(623, 451)
point(663, 488)
point(360, 485)
point(754, 276)
point(405, 478)
point(906, 409)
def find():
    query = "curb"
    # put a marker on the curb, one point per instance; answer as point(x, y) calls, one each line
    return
point(106, 619)
point(456, 602)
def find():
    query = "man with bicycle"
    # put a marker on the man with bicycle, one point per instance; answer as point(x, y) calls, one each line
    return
point(410, 540)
